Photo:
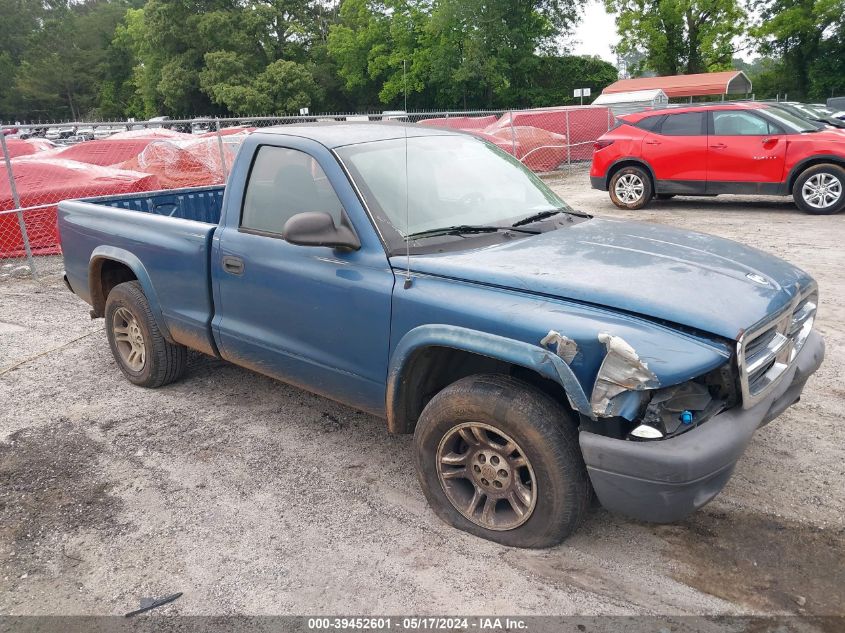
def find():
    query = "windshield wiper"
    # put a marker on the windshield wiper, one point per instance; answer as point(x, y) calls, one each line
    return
point(542, 215)
point(465, 229)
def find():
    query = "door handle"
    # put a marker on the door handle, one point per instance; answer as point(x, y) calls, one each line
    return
point(233, 265)
point(719, 146)
point(652, 142)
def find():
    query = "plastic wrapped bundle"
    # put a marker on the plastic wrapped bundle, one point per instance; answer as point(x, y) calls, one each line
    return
point(461, 122)
point(539, 150)
point(42, 184)
point(193, 163)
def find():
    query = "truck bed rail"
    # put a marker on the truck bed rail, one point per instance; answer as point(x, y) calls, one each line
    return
point(201, 204)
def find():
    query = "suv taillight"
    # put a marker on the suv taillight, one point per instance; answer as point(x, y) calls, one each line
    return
point(602, 143)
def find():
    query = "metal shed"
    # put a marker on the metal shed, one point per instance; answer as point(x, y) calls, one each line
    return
point(633, 101)
point(721, 83)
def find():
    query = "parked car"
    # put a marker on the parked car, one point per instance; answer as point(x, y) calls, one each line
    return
point(77, 138)
point(201, 126)
point(105, 131)
point(159, 121)
point(59, 133)
point(425, 276)
point(815, 114)
point(836, 103)
point(742, 148)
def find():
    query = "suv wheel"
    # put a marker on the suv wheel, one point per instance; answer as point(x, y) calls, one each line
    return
point(630, 188)
point(141, 352)
point(819, 189)
point(500, 459)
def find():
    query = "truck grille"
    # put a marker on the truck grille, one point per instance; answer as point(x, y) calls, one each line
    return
point(765, 353)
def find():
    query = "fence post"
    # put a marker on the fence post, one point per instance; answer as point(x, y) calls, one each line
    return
point(513, 137)
point(17, 202)
point(568, 146)
point(222, 153)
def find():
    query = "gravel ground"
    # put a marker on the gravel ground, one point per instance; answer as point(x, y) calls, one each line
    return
point(254, 497)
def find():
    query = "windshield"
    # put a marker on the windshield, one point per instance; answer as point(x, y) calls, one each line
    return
point(451, 181)
point(791, 122)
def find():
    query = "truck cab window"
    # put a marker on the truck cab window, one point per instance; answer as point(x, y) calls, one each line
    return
point(282, 183)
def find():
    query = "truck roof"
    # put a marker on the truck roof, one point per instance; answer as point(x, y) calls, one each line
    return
point(338, 133)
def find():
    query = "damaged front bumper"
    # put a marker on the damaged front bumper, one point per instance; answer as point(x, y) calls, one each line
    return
point(665, 480)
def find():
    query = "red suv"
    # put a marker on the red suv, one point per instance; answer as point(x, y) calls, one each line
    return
point(745, 148)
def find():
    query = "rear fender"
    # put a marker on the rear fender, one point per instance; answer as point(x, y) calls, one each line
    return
point(123, 256)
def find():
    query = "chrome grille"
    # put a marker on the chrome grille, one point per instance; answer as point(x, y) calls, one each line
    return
point(765, 354)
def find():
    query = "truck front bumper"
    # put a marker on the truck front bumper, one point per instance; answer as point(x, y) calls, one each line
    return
point(665, 480)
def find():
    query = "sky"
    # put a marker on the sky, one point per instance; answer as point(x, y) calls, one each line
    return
point(596, 33)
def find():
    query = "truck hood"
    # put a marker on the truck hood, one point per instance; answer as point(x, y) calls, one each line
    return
point(691, 279)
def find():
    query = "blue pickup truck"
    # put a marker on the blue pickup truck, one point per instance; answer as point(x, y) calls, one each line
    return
point(538, 355)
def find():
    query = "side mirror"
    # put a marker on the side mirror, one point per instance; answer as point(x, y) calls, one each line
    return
point(316, 228)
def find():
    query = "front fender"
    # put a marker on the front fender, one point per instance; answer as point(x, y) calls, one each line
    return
point(122, 256)
point(533, 357)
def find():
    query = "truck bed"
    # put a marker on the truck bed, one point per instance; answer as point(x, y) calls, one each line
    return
point(165, 236)
point(201, 204)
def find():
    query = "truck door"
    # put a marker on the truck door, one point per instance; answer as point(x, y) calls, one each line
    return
point(313, 316)
point(743, 147)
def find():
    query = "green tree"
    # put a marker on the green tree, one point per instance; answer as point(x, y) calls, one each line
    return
point(446, 53)
point(678, 36)
point(807, 37)
point(555, 78)
point(60, 69)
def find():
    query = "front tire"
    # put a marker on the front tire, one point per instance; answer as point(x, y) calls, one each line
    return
point(630, 188)
point(144, 356)
point(819, 189)
point(500, 459)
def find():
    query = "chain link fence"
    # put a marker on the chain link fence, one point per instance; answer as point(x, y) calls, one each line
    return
point(42, 164)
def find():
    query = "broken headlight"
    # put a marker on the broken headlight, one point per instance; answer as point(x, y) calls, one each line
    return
point(674, 410)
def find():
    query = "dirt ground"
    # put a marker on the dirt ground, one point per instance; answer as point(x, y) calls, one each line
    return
point(254, 497)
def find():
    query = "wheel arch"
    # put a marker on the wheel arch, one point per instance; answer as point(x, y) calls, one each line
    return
point(630, 161)
point(812, 161)
point(430, 357)
point(109, 266)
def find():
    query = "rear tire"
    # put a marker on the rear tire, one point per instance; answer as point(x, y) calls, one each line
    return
point(141, 352)
point(538, 491)
point(820, 189)
point(631, 188)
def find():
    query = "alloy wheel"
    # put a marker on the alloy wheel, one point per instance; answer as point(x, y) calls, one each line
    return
point(821, 190)
point(629, 188)
point(129, 339)
point(486, 476)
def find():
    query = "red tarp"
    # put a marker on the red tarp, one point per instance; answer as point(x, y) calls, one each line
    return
point(154, 133)
point(461, 122)
point(109, 151)
point(48, 181)
point(19, 147)
point(228, 131)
